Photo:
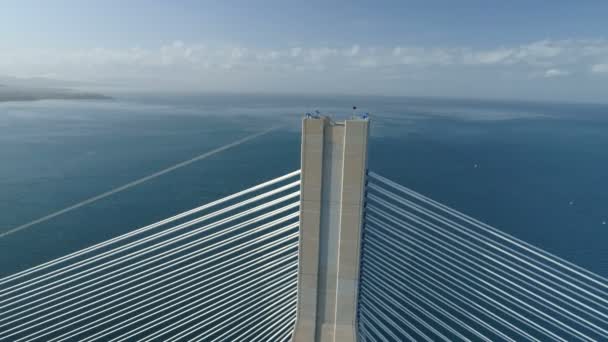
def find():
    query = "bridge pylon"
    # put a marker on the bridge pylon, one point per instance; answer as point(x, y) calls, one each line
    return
point(334, 163)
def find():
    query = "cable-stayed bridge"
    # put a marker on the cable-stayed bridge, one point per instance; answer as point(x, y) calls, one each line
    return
point(331, 252)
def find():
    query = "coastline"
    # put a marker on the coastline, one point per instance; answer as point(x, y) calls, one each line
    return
point(29, 95)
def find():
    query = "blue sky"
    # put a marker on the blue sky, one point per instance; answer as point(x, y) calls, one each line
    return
point(503, 49)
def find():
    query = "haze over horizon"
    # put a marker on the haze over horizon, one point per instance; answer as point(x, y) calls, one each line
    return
point(556, 51)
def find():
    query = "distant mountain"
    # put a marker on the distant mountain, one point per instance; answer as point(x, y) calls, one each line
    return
point(33, 89)
point(15, 94)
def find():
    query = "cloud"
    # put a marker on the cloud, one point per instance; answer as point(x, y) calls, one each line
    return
point(353, 51)
point(368, 62)
point(541, 50)
point(555, 73)
point(295, 52)
point(491, 57)
point(599, 68)
point(196, 63)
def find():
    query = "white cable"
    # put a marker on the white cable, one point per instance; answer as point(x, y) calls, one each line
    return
point(167, 253)
point(148, 272)
point(131, 291)
point(136, 182)
point(367, 336)
point(470, 246)
point(70, 334)
point(144, 229)
point(370, 274)
point(441, 299)
point(186, 301)
point(463, 299)
point(282, 303)
point(490, 245)
point(270, 224)
point(469, 302)
point(484, 297)
point(528, 308)
point(147, 239)
point(394, 318)
point(589, 325)
point(288, 312)
point(287, 322)
point(114, 286)
point(228, 309)
point(148, 249)
point(376, 296)
point(376, 312)
point(365, 321)
point(488, 253)
point(197, 315)
point(287, 331)
point(363, 332)
point(186, 308)
point(205, 261)
point(470, 290)
point(603, 282)
point(421, 309)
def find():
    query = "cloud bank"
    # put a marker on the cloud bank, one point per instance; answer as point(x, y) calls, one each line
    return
point(301, 68)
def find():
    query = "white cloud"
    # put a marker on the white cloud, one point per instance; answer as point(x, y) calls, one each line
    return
point(600, 68)
point(238, 53)
point(353, 51)
point(318, 55)
point(492, 56)
point(189, 63)
point(368, 62)
point(295, 52)
point(541, 49)
point(556, 73)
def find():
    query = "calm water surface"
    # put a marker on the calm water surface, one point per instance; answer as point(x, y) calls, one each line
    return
point(538, 171)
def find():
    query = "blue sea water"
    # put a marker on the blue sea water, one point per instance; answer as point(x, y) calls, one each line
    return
point(538, 171)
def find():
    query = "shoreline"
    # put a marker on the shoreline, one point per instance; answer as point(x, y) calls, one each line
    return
point(5, 98)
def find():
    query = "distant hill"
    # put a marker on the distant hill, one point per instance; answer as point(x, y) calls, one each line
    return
point(34, 89)
point(24, 94)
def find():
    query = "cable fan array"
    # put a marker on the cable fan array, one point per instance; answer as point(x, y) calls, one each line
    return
point(225, 271)
point(431, 273)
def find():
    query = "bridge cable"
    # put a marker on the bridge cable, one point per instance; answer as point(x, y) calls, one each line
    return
point(136, 182)
point(120, 300)
point(555, 260)
point(489, 271)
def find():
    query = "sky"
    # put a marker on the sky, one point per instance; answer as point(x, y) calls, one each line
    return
point(546, 50)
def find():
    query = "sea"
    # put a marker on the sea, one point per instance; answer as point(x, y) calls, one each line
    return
point(538, 171)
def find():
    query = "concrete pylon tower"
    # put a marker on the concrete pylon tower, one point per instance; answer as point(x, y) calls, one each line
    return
point(334, 162)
